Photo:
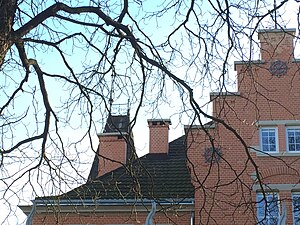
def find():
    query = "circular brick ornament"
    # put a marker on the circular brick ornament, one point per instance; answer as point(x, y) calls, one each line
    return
point(278, 68)
point(212, 155)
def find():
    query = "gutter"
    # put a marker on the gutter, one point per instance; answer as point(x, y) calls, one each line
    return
point(113, 201)
point(104, 205)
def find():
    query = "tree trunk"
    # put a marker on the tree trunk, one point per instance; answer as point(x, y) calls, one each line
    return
point(7, 15)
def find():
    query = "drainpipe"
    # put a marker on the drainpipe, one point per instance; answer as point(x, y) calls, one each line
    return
point(31, 214)
point(192, 218)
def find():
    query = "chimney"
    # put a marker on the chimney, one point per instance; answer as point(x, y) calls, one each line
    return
point(276, 44)
point(112, 151)
point(159, 135)
point(115, 146)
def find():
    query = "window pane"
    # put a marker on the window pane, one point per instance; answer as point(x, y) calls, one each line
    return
point(268, 139)
point(296, 208)
point(260, 207)
point(272, 140)
point(265, 140)
point(293, 139)
point(267, 209)
point(272, 148)
point(272, 133)
point(272, 221)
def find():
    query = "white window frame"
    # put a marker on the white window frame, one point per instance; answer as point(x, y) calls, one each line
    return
point(296, 216)
point(276, 139)
point(287, 139)
point(263, 219)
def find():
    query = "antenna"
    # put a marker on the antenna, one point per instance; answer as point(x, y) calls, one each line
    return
point(116, 109)
point(128, 105)
point(111, 100)
point(275, 14)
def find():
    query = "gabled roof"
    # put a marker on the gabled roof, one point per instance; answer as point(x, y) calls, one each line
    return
point(153, 176)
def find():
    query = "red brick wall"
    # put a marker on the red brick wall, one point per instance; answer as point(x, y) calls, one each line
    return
point(278, 44)
point(226, 191)
point(111, 218)
point(113, 148)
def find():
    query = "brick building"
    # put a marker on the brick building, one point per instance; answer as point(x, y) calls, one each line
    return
point(121, 188)
point(243, 167)
point(253, 166)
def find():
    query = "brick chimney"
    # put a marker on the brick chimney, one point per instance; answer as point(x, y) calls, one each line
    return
point(115, 146)
point(112, 151)
point(276, 43)
point(159, 135)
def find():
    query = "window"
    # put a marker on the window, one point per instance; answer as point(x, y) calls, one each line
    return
point(268, 139)
point(296, 208)
point(267, 208)
point(293, 139)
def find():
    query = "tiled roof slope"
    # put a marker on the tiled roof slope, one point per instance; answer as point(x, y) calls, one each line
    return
point(153, 176)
